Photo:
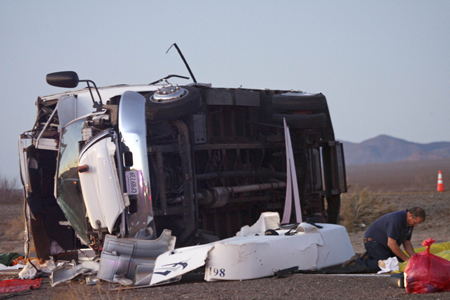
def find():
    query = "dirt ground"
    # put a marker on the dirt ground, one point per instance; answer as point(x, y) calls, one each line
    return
point(307, 286)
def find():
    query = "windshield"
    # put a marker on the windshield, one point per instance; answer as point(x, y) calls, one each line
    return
point(69, 195)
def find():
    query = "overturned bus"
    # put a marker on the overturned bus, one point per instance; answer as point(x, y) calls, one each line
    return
point(201, 161)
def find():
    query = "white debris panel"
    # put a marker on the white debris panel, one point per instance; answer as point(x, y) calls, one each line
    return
point(252, 254)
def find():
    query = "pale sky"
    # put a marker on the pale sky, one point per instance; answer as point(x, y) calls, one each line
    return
point(384, 66)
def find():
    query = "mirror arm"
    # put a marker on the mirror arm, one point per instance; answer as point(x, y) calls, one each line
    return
point(97, 105)
point(167, 77)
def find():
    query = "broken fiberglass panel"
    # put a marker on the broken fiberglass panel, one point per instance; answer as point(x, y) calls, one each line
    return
point(173, 264)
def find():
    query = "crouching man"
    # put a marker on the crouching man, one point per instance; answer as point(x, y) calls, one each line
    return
point(384, 237)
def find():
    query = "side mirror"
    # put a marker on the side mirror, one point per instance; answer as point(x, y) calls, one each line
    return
point(67, 79)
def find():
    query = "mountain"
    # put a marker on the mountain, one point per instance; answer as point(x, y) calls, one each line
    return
point(387, 149)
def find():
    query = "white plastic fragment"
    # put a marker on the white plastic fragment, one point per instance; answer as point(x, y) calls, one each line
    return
point(31, 268)
point(267, 220)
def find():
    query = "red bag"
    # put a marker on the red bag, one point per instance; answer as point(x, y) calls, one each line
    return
point(426, 272)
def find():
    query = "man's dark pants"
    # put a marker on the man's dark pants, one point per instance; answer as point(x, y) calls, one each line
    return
point(376, 252)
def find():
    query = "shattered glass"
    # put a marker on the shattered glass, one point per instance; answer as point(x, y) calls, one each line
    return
point(69, 195)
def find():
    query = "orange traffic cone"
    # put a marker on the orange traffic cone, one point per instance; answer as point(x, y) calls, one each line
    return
point(440, 186)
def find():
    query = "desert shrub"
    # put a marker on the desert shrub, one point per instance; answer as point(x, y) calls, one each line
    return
point(8, 190)
point(12, 232)
point(362, 208)
point(14, 229)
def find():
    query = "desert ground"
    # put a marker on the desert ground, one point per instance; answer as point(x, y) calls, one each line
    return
point(403, 186)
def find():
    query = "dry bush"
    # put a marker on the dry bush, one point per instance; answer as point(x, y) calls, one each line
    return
point(12, 232)
point(9, 194)
point(15, 229)
point(362, 208)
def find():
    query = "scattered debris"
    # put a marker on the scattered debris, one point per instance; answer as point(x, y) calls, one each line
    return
point(248, 255)
point(10, 259)
point(34, 268)
point(68, 271)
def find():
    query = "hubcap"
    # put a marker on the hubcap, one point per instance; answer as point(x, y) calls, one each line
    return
point(168, 93)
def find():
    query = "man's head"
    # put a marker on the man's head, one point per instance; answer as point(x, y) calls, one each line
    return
point(414, 216)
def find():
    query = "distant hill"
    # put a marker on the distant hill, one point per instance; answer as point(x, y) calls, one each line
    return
point(387, 149)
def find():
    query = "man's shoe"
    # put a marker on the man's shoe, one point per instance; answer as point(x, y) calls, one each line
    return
point(365, 255)
point(351, 261)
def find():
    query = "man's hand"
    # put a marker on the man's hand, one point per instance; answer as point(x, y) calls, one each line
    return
point(409, 248)
point(396, 249)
